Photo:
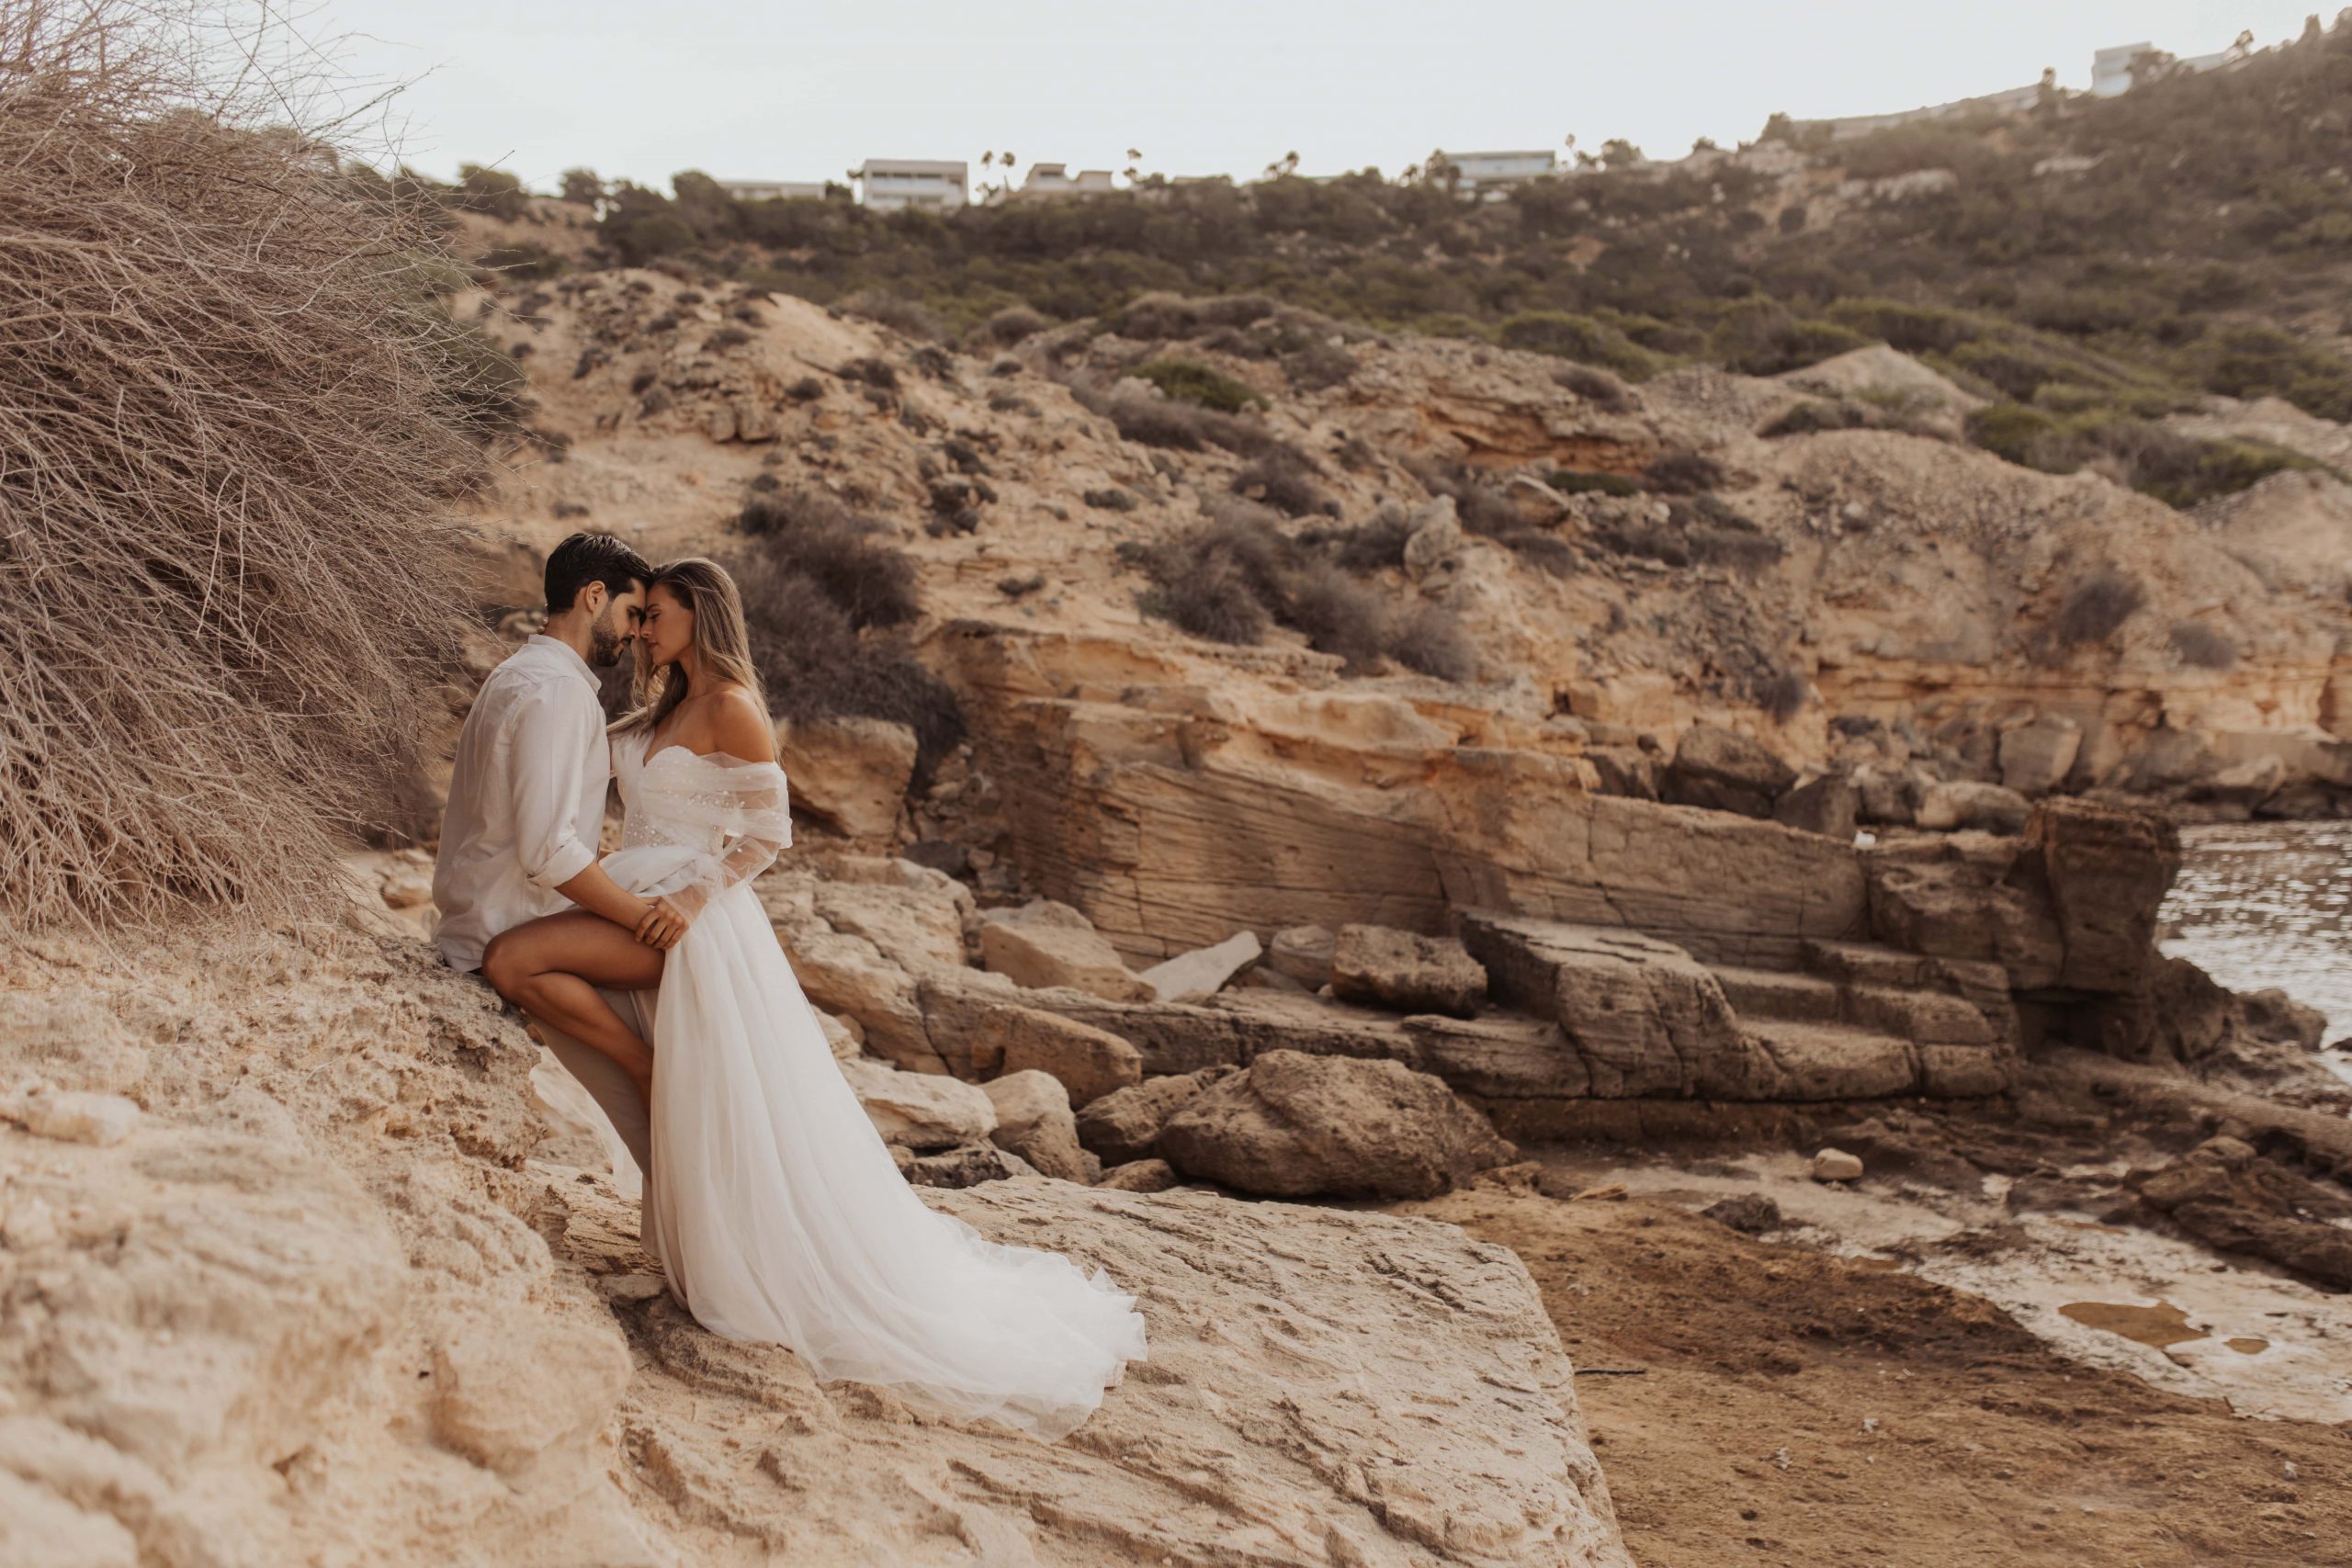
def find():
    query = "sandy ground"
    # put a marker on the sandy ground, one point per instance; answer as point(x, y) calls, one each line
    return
point(1768, 1401)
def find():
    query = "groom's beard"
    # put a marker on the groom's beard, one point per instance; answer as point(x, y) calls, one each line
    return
point(605, 647)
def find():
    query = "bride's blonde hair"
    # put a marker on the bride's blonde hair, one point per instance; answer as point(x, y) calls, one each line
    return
point(720, 638)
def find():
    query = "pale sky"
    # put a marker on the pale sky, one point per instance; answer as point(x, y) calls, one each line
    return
point(797, 91)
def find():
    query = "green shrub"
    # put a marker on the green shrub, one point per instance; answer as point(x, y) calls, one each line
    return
point(1596, 387)
point(895, 311)
point(1575, 481)
point(1566, 335)
point(1683, 473)
point(1202, 386)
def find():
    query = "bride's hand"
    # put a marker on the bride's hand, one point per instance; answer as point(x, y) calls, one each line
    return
point(663, 924)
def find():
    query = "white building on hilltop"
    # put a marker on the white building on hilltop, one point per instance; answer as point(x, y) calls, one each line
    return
point(1479, 171)
point(775, 190)
point(2111, 67)
point(887, 184)
point(1054, 179)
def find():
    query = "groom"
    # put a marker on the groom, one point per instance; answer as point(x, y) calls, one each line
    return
point(526, 795)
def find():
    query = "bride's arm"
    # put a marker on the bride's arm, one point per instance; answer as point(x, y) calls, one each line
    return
point(759, 829)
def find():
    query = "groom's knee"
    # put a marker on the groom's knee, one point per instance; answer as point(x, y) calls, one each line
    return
point(502, 965)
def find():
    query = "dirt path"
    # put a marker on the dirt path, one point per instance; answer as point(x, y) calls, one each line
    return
point(1798, 1408)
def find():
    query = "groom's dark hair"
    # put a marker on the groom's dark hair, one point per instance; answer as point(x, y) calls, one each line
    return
point(584, 558)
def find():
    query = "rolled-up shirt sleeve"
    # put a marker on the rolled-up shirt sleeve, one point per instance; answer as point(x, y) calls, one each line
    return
point(556, 734)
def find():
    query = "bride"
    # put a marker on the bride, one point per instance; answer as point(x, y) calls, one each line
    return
point(772, 1203)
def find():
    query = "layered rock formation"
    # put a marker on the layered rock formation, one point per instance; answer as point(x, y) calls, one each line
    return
point(311, 1297)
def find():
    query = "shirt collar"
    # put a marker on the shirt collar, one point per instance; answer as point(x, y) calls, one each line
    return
point(570, 654)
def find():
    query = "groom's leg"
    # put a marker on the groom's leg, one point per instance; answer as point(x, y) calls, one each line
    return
point(608, 1082)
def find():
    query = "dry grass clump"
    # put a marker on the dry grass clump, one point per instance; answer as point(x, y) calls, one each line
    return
point(2203, 647)
point(809, 586)
point(1233, 577)
point(895, 311)
point(1284, 477)
point(231, 419)
point(2097, 607)
point(852, 558)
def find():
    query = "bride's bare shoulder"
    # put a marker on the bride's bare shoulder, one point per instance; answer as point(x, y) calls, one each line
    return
point(739, 725)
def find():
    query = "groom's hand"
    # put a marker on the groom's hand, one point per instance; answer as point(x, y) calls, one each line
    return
point(663, 924)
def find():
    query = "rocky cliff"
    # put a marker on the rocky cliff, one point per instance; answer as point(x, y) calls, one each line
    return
point(284, 1280)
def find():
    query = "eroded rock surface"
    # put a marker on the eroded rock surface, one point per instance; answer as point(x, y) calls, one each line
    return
point(1295, 1126)
point(319, 1302)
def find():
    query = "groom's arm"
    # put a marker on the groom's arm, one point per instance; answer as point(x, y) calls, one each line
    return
point(559, 734)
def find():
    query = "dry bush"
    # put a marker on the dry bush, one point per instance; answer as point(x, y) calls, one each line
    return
point(1378, 541)
point(1234, 576)
point(2202, 645)
point(2096, 608)
point(1597, 386)
point(1684, 473)
point(1174, 422)
point(1339, 614)
point(233, 417)
point(1478, 505)
point(1285, 480)
point(1013, 323)
point(854, 560)
point(895, 311)
point(815, 665)
point(1431, 641)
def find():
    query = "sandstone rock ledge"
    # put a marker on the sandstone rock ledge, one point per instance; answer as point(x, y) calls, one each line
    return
point(316, 1302)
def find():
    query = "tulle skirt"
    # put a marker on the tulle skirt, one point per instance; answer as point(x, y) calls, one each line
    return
point(780, 1217)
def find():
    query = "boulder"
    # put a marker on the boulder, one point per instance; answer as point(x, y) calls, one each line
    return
point(2245, 786)
point(1045, 949)
point(1725, 770)
point(1751, 1213)
point(849, 772)
point(1434, 546)
point(2037, 756)
point(1302, 952)
point(2271, 1014)
point(1963, 803)
point(1089, 1062)
point(1292, 1125)
point(1406, 972)
point(510, 1383)
point(1204, 971)
point(1141, 1175)
point(1033, 1119)
point(1828, 805)
point(2240, 1200)
point(78, 1117)
point(1125, 1125)
point(1966, 895)
point(1642, 1018)
point(920, 1110)
point(1887, 797)
point(2108, 869)
point(967, 1165)
point(1836, 1165)
point(848, 976)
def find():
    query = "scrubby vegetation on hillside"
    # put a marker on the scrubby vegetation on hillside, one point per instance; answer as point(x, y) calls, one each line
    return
point(2210, 195)
point(822, 588)
point(233, 419)
point(2097, 262)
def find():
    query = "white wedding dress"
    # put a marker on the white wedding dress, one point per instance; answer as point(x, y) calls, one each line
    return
point(773, 1203)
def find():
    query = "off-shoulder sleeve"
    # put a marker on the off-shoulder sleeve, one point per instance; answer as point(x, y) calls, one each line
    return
point(746, 804)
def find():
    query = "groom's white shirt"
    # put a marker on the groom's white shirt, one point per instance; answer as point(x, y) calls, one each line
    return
point(526, 798)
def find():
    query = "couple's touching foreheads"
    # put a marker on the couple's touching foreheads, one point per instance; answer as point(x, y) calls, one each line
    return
point(769, 1200)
